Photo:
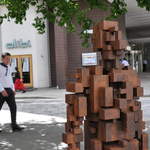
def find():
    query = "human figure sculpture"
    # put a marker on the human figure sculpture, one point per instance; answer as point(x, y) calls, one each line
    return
point(105, 99)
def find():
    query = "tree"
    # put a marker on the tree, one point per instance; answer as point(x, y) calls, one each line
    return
point(65, 13)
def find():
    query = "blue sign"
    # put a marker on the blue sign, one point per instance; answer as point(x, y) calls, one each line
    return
point(18, 44)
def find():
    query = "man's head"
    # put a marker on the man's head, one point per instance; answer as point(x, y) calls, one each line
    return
point(6, 58)
point(16, 68)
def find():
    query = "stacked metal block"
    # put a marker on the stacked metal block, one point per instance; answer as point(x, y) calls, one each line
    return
point(105, 99)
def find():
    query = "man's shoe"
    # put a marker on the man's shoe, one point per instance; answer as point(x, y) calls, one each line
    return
point(16, 128)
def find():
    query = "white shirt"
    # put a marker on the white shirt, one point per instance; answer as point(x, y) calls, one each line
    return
point(6, 80)
point(125, 63)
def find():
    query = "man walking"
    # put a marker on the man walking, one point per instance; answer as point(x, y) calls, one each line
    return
point(7, 91)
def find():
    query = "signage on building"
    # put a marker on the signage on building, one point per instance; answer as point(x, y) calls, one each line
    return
point(18, 44)
point(89, 59)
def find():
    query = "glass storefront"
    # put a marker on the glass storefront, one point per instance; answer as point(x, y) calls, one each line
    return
point(24, 65)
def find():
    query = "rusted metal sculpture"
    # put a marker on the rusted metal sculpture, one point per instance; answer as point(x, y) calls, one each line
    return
point(105, 99)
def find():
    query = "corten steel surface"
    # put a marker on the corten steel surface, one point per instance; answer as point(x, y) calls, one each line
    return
point(105, 99)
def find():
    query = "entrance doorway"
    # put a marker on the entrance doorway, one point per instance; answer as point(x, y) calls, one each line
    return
point(135, 58)
point(24, 65)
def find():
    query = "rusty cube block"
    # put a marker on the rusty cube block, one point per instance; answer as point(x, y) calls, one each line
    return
point(95, 144)
point(108, 55)
point(128, 119)
point(79, 137)
point(92, 130)
point(114, 147)
point(124, 143)
point(77, 130)
point(68, 138)
point(74, 87)
point(118, 35)
point(73, 146)
point(109, 131)
point(138, 92)
point(84, 76)
point(96, 70)
point(80, 106)
point(117, 76)
point(68, 127)
point(132, 77)
point(144, 141)
point(77, 123)
point(70, 113)
point(138, 115)
point(97, 38)
point(136, 106)
point(121, 104)
point(108, 47)
point(108, 25)
point(127, 92)
point(97, 81)
point(134, 144)
point(106, 97)
point(87, 135)
point(128, 124)
point(70, 98)
point(139, 129)
point(119, 45)
point(109, 36)
point(109, 113)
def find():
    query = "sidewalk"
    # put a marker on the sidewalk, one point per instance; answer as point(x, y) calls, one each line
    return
point(145, 82)
point(42, 112)
point(44, 93)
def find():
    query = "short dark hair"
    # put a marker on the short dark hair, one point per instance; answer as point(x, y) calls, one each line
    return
point(5, 54)
point(16, 68)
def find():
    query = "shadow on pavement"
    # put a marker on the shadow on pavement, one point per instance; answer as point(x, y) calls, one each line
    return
point(38, 137)
point(34, 137)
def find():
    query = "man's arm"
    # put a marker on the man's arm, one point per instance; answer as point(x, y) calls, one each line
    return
point(2, 90)
point(1, 87)
point(11, 81)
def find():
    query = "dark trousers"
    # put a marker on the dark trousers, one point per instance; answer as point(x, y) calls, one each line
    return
point(144, 67)
point(10, 100)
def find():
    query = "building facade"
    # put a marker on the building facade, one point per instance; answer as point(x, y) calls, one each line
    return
point(47, 60)
point(66, 49)
point(138, 34)
point(29, 50)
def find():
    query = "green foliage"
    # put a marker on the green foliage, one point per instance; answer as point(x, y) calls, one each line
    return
point(65, 13)
point(144, 4)
point(119, 7)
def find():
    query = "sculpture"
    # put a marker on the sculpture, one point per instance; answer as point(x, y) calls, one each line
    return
point(105, 98)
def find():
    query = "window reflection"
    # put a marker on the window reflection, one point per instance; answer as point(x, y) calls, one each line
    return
point(25, 63)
